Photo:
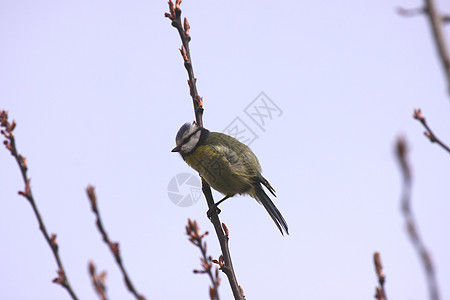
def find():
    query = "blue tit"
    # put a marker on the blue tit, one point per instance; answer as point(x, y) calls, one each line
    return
point(229, 166)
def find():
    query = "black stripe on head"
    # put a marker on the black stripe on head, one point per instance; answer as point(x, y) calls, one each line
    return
point(189, 137)
point(203, 136)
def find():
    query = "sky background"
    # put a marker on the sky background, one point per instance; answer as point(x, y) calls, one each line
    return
point(98, 89)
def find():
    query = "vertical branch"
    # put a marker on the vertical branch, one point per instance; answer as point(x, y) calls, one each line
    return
point(113, 246)
point(175, 17)
point(183, 29)
point(10, 144)
point(411, 225)
point(227, 266)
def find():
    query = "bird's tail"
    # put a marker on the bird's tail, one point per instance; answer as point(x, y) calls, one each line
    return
point(273, 211)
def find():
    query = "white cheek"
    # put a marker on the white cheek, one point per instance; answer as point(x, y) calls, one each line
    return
point(187, 147)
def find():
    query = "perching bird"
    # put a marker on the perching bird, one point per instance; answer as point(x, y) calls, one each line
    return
point(229, 166)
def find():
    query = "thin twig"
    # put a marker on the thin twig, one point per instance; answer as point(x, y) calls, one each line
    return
point(113, 246)
point(10, 144)
point(98, 281)
point(380, 292)
point(411, 225)
point(429, 133)
point(437, 23)
point(196, 238)
point(183, 29)
point(410, 12)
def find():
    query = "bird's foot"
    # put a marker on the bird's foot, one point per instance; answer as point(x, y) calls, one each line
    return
point(211, 211)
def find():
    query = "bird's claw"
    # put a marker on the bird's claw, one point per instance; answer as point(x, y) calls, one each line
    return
point(211, 210)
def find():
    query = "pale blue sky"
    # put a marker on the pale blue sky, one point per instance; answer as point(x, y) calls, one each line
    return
point(98, 89)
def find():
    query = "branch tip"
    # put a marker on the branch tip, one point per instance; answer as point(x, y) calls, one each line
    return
point(187, 27)
point(178, 3)
point(90, 190)
point(429, 133)
point(410, 12)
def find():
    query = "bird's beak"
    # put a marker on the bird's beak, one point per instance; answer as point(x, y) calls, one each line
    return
point(176, 149)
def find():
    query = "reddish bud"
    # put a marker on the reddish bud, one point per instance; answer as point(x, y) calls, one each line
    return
point(212, 293)
point(186, 27)
point(102, 277)
point(61, 277)
point(378, 265)
point(242, 291)
point(10, 127)
point(114, 248)
point(172, 10)
point(184, 53)
point(53, 240)
point(177, 4)
point(418, 114)
point(225, 229)
point(91, 268)
point(92, 197)
point(199, 100)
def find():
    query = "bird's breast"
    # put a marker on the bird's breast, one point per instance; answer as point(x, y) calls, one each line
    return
point(218, 171)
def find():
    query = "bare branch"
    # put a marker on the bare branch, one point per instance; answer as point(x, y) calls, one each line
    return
point(175, 16)
point(10, 144)
point(437, 23)
point(113, 246)
point(429, 133)
point(411, 225)
point(193, 231)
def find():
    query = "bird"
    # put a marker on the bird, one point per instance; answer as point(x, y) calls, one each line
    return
point(228, 166)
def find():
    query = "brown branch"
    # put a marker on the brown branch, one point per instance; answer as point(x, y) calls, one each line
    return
point(411, 225)
point(98, 281)
point(175, 16)
point(429, 133)
point(193, 231)
point(10, 144)
point(437, 22)
point(380, 292)
point(113, 246)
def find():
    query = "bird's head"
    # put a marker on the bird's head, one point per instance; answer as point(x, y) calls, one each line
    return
point(187, 138)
